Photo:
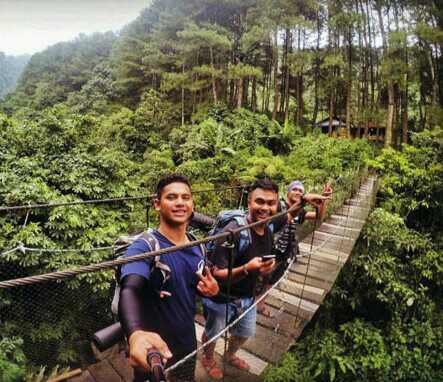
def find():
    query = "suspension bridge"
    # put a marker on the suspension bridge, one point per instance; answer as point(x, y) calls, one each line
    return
point(292, 301)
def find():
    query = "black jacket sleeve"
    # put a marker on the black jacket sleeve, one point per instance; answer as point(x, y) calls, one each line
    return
point(133, 290)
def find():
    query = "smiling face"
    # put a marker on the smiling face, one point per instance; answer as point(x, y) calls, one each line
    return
point(175, 204)
point(294, 196)
point(262, 204)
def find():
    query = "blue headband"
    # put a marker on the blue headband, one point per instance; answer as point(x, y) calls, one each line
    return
point(296, 184)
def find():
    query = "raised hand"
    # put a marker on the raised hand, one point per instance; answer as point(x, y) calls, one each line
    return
point(316, 200)
point(327, 190)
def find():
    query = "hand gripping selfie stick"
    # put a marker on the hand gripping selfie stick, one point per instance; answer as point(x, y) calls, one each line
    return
point(156, 365)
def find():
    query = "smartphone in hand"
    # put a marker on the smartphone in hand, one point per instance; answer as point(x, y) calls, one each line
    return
point(268, 257)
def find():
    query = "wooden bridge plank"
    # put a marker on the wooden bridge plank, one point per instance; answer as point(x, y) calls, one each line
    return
point(299, 314)
point(279, 298)
point(349, 232)
point(104, 372)
point(307, 292)
point(327, 275)
point(315, 282)
point(280, 320)
point(84, 377)
point(268, 344)
point(120, 364)
point(319, 263)
point(326, 257)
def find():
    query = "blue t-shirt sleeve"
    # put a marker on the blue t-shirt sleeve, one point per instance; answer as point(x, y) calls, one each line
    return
point(141, 268)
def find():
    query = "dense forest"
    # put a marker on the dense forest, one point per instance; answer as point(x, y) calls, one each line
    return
point(225, 91)
point(11, 68)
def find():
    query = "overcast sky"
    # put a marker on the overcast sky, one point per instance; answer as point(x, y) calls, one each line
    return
point(29, 26)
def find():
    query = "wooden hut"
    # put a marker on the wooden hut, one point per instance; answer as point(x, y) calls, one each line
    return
point(338, 128)
point(369, 129)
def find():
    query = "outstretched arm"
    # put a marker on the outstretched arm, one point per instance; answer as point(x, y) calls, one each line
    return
point(130, 311)
point(318, 202)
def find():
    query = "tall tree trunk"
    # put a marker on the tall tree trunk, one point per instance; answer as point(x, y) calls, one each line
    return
point(316, 72)
point(300, 106)
point(391, 89)
point(288, 43)
point(371, 57)
point(404, 110)
point(254, 95)
point(245, 91)
point(284, 72)
point(214, 85)
point(268, 89)
point(276, 82)
point(263, 92)
point(349, 84)
point(183, 98)
point(331, 112)
point(239, 92)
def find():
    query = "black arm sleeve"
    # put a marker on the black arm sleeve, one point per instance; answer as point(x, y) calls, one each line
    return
point(130, 307)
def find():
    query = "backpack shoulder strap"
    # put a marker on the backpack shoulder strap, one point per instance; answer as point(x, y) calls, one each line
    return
point(192, 237)
point(150, 239)
point(245, 234)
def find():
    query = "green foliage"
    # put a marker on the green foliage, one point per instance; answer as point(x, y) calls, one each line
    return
point(383, 319)
point(412, 179)
point(12, 359)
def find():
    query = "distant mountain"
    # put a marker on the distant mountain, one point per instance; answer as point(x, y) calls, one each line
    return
point(52, 75)
point(11, 67)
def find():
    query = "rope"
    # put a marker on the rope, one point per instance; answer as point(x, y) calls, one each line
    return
point(101, 201)
point(112, 263)
point(7, 252)
point(79, 250)
point(229, 244)
point(309, 262)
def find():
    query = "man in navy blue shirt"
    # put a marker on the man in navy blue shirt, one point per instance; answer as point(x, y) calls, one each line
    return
point(157, 308)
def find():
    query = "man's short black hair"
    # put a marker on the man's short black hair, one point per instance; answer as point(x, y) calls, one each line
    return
point(168, 179)
point(264, 184)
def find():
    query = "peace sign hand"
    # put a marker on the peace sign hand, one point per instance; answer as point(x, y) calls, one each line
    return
point(207, 285)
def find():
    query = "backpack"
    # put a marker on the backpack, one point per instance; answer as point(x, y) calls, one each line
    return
point(123, 243)
point(223, 219)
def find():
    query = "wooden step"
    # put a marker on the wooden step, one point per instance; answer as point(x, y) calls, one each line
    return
point(348, 220)
point(292, 304)
point(268, 344)
point(306, 292)
point(316, 264)
point(311, 271)
point(351, 233)
point(302, 279)
point(280, 320)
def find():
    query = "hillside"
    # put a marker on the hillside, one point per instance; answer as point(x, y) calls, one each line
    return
point(11, 67)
